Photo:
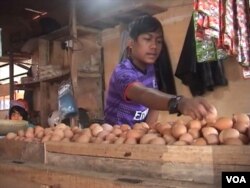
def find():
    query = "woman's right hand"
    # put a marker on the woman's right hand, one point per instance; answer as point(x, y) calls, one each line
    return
point(197, 107)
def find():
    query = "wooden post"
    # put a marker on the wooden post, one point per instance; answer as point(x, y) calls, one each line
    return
point(11, 73)
point(72, 61)
point(43, 60)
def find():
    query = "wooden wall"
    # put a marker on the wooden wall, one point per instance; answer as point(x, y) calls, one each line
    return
point(228, 99)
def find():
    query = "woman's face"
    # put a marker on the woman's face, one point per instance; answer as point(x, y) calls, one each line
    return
point(147, 47)
point(16, 116)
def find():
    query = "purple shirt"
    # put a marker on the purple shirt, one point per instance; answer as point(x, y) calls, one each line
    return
point(119, 110)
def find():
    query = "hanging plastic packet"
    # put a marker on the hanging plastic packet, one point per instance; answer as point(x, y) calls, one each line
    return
point(66, 102)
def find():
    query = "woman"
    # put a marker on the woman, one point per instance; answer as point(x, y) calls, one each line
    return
point(18, 110)
point(133, 94)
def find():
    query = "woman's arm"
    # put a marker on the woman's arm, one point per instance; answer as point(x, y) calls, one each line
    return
point(154, 99)
point(152, 117)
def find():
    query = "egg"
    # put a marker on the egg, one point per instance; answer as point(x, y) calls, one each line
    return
point(212, 139)
point(179, 143)
point(163, 128)
point(46, 138)
point(39, 134)
point(20, 132)
point(194, 124)
point(233, 141)
point(130, 141)
point(241, 126)
point(103, 134)
point(65, 139)
point(111, 137)
point(223, 123)
point(93, 125)
point(117, 131)
point(241, 118)
point(158, 141)
point(199, 142)
point(68, 133)
point(83, 139)
point(208, 130)
point(125, 127)
point(59, 133)
point(120, 140)
point(137, 134)
point(188, 138)
point(145, 139)
point(228, 133)
point(169, 139)
point(56, 137)
point(178, 130)
point(38, 128)
point(194, 132)
point(107, 127)
point(86, 131)
point(96, 130)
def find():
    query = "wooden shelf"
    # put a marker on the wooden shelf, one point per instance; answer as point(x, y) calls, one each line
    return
point(64, 33)
point(17, 57)
point(30, 85)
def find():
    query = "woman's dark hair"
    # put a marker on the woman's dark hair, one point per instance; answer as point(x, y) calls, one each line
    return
point(144, 24)
point(20, 110)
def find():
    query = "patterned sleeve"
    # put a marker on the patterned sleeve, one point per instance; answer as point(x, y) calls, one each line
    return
point(123, 80)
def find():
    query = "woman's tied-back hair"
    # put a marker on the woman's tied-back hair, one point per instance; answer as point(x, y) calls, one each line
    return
point(144, 24)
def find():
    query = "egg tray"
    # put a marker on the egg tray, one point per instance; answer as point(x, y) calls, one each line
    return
point(7, 126)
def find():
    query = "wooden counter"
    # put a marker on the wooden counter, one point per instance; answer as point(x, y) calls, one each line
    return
point(109, 165)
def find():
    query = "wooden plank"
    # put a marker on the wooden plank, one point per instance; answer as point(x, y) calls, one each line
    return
point(219, 154)
point(65, 178)
point(124, 151)
point(7, 182)
point(139, 168)
point(4, 90)
point(187, 154)
point(21, 151)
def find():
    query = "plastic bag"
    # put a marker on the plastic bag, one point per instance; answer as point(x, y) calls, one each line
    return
point(66, 102)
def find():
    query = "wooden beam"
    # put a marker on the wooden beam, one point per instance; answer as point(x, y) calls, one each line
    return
point(66, 177)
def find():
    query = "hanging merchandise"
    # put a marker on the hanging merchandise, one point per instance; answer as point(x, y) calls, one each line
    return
point(227, 22)
point(66, 102)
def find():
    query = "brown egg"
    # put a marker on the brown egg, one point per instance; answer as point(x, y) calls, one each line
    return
point(146, 138)
point(187, 138)
point(169, 138)
point(228, 133)
point(194, 124)
point(180, 143)
point(30, 132)
point(111, 137)
point(120, 140)
point(223, 123)
point(117, 131)
point(83, 139)
point(103, 134)
point(199, 142)
point(61, 126)
point(96, 130)
point(48, 131)
point(241, 118)
point(163, 129)
point(65, 139)
point(39, 134)
point(20, 132)
point(46, 138)
point(59, 133)
point(212, 139)
point(130, 141)
point(233, 141)
point(125, 127)
point(178, 130)
point(244, 138)
point(158, 141)
point(137, 134)
point(241, 126)
point(56, 137)
point(68, 133)
point(208, 130)
point(212, 115)
point(152, 131)
point(97, 140)
point(107, 127)
point(93, 125)
point(86, 131)
point(38, 129)
point(194, 132)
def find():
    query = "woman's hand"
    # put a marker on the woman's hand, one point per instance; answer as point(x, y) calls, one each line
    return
point(197, 107)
